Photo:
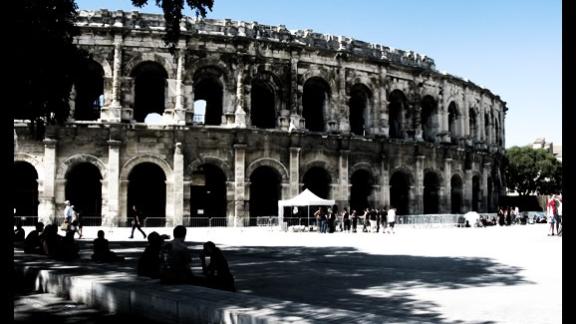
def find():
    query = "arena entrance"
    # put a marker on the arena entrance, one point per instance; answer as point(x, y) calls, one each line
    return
point(262, 110)
point(431, 193)
point(265, 191)
point(400, 192)
point(475, 193)
point(396, 106)
point(359, 99)
point(209, 89)
point(25, 198)
point(456, 194)
point(208, 196)
point(89, 86)
point(361, 190)
point(84, 190)
point(147, 190)
point(318, 181)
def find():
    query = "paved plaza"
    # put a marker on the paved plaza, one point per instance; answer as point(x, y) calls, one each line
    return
point(440, 275)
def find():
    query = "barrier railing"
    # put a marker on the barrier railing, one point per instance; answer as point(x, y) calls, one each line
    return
point(153, 222)
point(26, 220)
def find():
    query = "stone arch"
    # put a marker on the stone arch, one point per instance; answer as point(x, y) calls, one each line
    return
point(131, 163)
point(362, 182)
point(363, 166)
point(397, 107)
point(401, 183)
point(200, 64)
point(137, 59)
point(265, 190)
point(318, 180)
point(360, 105)
point(220, 163)
point(456, 193)
point(265, 100)
point(274, 164)
point(210, 83)
point(316, 100)
point(431, 191)
point(37, 164)
point(71, 161)
point(83, 189)
point(473, 122)
point(476, 191)
point(88, 90)
point(429, 118)
point(332, 170)
point(150, 89)
point(454, 116)
point(25, 189)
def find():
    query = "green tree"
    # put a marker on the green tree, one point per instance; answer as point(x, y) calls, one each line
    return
point(532, 171)
point(48, 58)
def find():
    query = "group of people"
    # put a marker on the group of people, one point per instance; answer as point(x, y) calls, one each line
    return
point(554, 215)
point(170, 262)
point(371, 220)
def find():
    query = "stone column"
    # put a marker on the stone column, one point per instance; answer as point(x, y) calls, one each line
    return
point(418, 202)
point(467, 191)
point(444, 125)
point(465, 115)
point(239, 113)
point(381, 106)
point(47, 207)
point(294, 171)
point(448, 187)
point(417, 110)
point(178, 181)
point(295, 113)
point(114, 113)
point(481, 121)
point(112, 216)
point(385, 182)
point(344, 193)
point(179, 116)
point(484, 203)
point(239, 175)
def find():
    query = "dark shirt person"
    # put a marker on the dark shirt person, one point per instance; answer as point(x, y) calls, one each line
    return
point(19, 234)
point(217, 272)
point(177, 260)
point(32, 243)
point(150, 262)
point(101, 251)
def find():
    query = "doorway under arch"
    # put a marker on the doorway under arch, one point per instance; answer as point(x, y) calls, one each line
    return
point(318, 180)
point(208, 193)
point(431, 193)
point(25, 198)
point(147, 190)
point(456, 194)
point(361, 190)
point(84, 190)
point(400, 192)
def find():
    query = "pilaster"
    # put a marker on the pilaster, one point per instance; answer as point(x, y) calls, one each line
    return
point(294, 171)
point(111, 218)
point(47, 208)
point(178, 188)
point(239, 186)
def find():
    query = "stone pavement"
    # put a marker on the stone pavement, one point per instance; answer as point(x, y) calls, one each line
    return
point(444, 275)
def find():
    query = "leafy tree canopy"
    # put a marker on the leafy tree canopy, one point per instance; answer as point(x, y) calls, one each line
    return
point(532, 171)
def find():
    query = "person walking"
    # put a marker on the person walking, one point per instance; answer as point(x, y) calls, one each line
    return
point(391, 219)
point(136, 222)
point(68, 215)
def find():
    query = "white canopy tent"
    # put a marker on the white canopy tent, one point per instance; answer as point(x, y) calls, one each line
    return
point(305, 198)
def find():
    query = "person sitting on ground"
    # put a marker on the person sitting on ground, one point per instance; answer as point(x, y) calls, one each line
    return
point(32, 243)
point(177, 261)
point(102, 252)
point(19, 233)
point(149, 263)
point(217, 272)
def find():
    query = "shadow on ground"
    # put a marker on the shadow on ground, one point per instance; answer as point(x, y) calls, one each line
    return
point(340, 278)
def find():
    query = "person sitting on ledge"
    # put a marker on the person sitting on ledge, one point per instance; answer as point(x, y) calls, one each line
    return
point(32, 243)
point(101, 251)
point(217, 272)
point(149, 263)
point(177, 261)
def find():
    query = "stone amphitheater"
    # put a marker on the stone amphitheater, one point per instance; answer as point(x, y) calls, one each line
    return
point(242, 114)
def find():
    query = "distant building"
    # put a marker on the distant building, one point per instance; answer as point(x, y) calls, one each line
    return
point(540, 143)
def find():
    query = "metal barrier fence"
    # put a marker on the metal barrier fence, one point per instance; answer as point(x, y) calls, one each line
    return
point(26, 220)
point(152, 222)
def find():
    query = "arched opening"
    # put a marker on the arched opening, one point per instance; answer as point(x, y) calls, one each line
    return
point(318, 181)
point(473, 126)
point(431, 193)
point(487, 128)
point(209, 86)
point(475, 193)
point(149, 89)
point(456, 194)
point(265, 186)
point(25, 190)
point(314, 103)
point(208, 192)
point(396, 104)
point(361, 190)
point(358, 104)
point(89, 86)
point(400, 192)
point(147, 190)
point(428, 118)
point(84, 190)
point(262, 109)
point(497, 134)
point(453, 121)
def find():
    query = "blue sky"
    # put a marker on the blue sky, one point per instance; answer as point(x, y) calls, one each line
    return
point(513, 47)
